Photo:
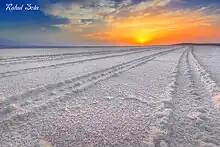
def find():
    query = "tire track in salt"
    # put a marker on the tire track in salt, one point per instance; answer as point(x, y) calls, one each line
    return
point(189, 120)
point(20, 105)
point(182, 129)
point(210, 85)
point(40, 58)
point(52, 55)
point(22, 71)
point(190, 123)
point(74, 53)
point(160, 133)
point(206, 117)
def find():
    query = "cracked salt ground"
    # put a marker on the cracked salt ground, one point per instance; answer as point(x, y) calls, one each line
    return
point(25, 81)
point(39, 94)
point(118, 117)
point(162, 102)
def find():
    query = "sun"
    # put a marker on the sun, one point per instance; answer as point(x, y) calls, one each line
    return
point(142, 39)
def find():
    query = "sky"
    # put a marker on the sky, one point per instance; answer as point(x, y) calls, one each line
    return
point(110, 22)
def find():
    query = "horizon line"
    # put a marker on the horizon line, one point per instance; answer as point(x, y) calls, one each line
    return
point(90, 46)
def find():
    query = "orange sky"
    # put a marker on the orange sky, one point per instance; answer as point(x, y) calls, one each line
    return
point(166, 28)
point(144, 23)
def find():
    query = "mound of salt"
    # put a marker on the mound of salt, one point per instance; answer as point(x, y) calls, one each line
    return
point(2, 98)
point(216, 99)
point(44, 143)
point(108, 98)
point(207, 145)
point(201, 109)
point(10, 108)
point(163, 144)
point(52, 93)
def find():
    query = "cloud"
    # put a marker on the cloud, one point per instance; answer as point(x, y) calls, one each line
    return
point(93, 9)
point(149, 4)
point(98, 9)
point(130, 22)
point(87, 21)
point(82, 14)
point(69, 27)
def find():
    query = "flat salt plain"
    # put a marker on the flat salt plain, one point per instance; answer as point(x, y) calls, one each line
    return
point(162, 96)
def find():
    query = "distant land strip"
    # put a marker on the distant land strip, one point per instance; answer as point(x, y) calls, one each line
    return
point(78, 46)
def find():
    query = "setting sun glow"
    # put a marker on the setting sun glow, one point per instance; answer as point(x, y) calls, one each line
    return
point(164, 28)
point(142, 39)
